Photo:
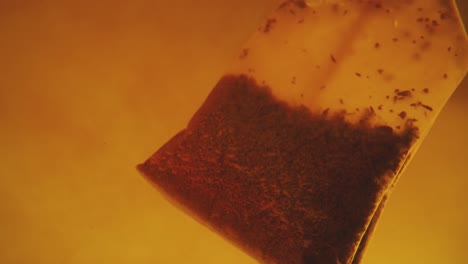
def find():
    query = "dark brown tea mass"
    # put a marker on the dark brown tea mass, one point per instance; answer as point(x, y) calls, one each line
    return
point(283, 183)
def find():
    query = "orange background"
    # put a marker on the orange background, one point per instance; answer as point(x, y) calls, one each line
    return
point(88, 89)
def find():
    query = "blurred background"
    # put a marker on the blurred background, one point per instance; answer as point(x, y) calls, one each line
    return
point(89, 89)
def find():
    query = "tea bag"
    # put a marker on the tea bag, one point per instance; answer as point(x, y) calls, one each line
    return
point(293, 153)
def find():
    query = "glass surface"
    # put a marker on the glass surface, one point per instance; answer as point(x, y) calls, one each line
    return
point(88, 89)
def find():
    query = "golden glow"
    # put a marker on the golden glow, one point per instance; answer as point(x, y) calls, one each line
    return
point(89, 89)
